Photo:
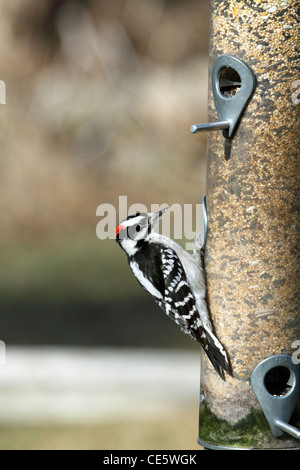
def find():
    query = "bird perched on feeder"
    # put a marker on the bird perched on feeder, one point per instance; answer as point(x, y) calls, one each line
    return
point(174, 278)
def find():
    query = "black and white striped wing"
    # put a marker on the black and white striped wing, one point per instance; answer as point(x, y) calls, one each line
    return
point(178, 300)
point(160, 272)
point(179, 304)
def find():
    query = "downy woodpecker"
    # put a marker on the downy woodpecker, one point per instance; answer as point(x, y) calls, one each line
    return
point(175, 279)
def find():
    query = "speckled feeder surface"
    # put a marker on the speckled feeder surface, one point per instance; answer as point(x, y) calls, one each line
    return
point(252, 249)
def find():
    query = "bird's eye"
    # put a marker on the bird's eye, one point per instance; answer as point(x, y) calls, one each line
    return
point(138, 228)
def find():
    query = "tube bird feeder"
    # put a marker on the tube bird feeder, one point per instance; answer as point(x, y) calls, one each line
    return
point(252, 245)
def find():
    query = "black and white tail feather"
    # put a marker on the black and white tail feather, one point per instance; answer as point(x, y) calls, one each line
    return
point(175, 278)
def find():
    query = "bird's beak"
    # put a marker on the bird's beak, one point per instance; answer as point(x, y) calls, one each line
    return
point(154, 217)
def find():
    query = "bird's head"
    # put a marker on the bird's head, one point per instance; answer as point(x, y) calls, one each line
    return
point(133, 232)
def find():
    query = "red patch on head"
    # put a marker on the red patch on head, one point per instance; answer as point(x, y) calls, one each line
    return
point(119, 227)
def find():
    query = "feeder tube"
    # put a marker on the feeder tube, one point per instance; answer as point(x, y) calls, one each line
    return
point(252, 247)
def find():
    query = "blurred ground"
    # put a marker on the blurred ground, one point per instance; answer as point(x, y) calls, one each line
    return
point(178, 432)
point(100, 97)
point(123, 398)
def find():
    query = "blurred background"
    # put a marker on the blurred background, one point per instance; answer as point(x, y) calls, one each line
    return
point(100, 96)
